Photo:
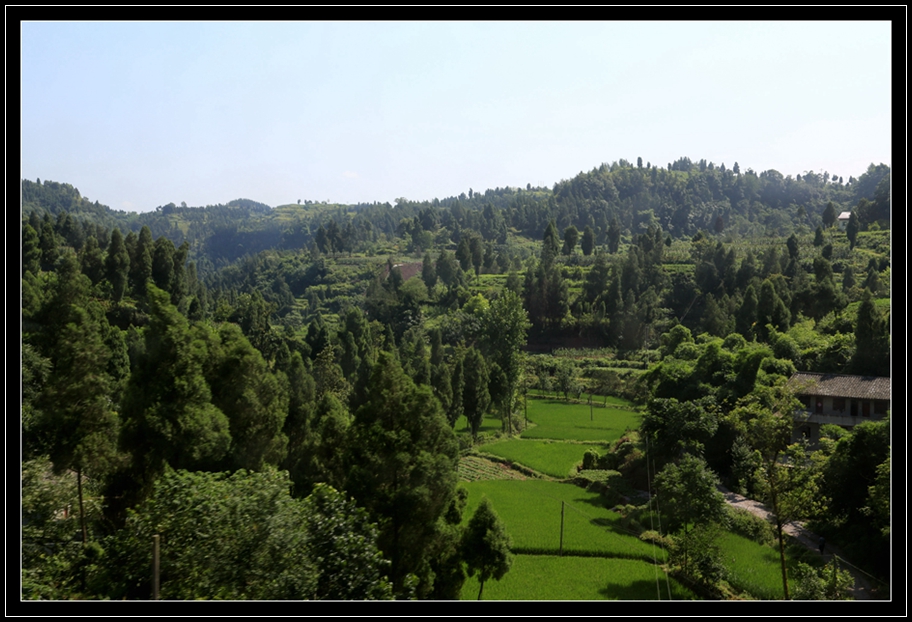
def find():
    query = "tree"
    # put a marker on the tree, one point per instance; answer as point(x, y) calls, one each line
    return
point(403, 457)
point(878, 506)
point(31, 250)
point(342, 545)
point(168, 415)
point(688, 494)
point(715, 320)
point(826, 583)
point(321, 239)
point(852, 470)
point(476, 245)
point(788, 477)
point(872, 340)
point(792, 244)
point(242, 536)
point(328, 375)
point(457, 386)
point(47, 242)
point(596, 284)
point(546, 294)
point(91, 260)
point(428, 272)
point(852, 230)
point(829, 215)
point(550, 242)
point(818, 237)
point(571, 236)
point(674, 428)
point(848, 279)
point(298, 422)
point(505, 324)
point(77, 413)
point(141, 261)
point(614, 236)
point(719, 224)
point(447, 268)
point(771, 309)
point(746, 317)
point(476, 397)
point(117, 265)
point(208, 548)
point(486, 545)
point(588, 241)
point(252, 398)
point(464, 254)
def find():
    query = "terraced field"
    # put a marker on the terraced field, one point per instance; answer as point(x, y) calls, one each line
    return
point(476, 468)
point(584, 554)
point(568, 545)
point(551, 458)
point(548, 577)
point(559, 420)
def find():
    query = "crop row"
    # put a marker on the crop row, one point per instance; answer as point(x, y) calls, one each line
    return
point(476, 468)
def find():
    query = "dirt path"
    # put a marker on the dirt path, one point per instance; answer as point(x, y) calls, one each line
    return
point(862, 589)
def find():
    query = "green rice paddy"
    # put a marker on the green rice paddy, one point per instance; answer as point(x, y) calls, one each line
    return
point(548, 577)
point(556, 419)
point(531, 512)
point(555, 459)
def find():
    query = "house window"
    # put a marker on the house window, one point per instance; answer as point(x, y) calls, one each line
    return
point(819, 409)
point(809, 402)
point(881, 407)
point(866, 409)
point(854, 408)
point(839, 404)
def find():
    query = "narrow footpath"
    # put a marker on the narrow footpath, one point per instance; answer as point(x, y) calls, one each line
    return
point(862, 589)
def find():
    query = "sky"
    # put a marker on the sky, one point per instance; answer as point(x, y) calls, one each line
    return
point(142, 114)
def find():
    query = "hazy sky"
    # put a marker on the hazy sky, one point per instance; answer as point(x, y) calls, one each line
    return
point(138, 115)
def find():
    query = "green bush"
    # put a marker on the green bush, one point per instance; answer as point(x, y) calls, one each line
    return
point(750, 526)
point(590, 460)
point(699, 555)
point(826, 583)
point(609, 484)
point(654, 537)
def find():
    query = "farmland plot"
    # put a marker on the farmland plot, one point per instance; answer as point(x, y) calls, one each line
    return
point(561, 420)
point(551, 458)
point(531, 511)
point(548, 577)
point(600, 560)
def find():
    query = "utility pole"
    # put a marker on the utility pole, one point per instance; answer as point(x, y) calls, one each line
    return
point(155, 566)
point(561, 552)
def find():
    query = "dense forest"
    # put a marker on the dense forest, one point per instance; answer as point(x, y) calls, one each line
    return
point(277, 389)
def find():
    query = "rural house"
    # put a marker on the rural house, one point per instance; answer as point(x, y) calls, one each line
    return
point(840, 399)
point(843, 220)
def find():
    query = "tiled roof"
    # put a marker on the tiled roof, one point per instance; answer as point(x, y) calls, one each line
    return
point(841, 385)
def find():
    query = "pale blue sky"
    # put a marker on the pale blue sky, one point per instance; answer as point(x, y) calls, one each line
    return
point(138, 115)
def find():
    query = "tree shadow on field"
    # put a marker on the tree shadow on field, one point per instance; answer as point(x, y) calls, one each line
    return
point(638, 590)
point(597, 502)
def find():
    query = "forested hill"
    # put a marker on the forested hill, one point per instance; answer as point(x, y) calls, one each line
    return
point(612, 200)
point(340, 360)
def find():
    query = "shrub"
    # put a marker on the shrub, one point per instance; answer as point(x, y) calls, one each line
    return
point(826, 583)
point(654, 537)
point(699, 554)
point(590, 460)
point(609, 484)
point(750, 526)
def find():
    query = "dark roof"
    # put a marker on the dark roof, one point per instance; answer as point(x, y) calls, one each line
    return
point(841, 385)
